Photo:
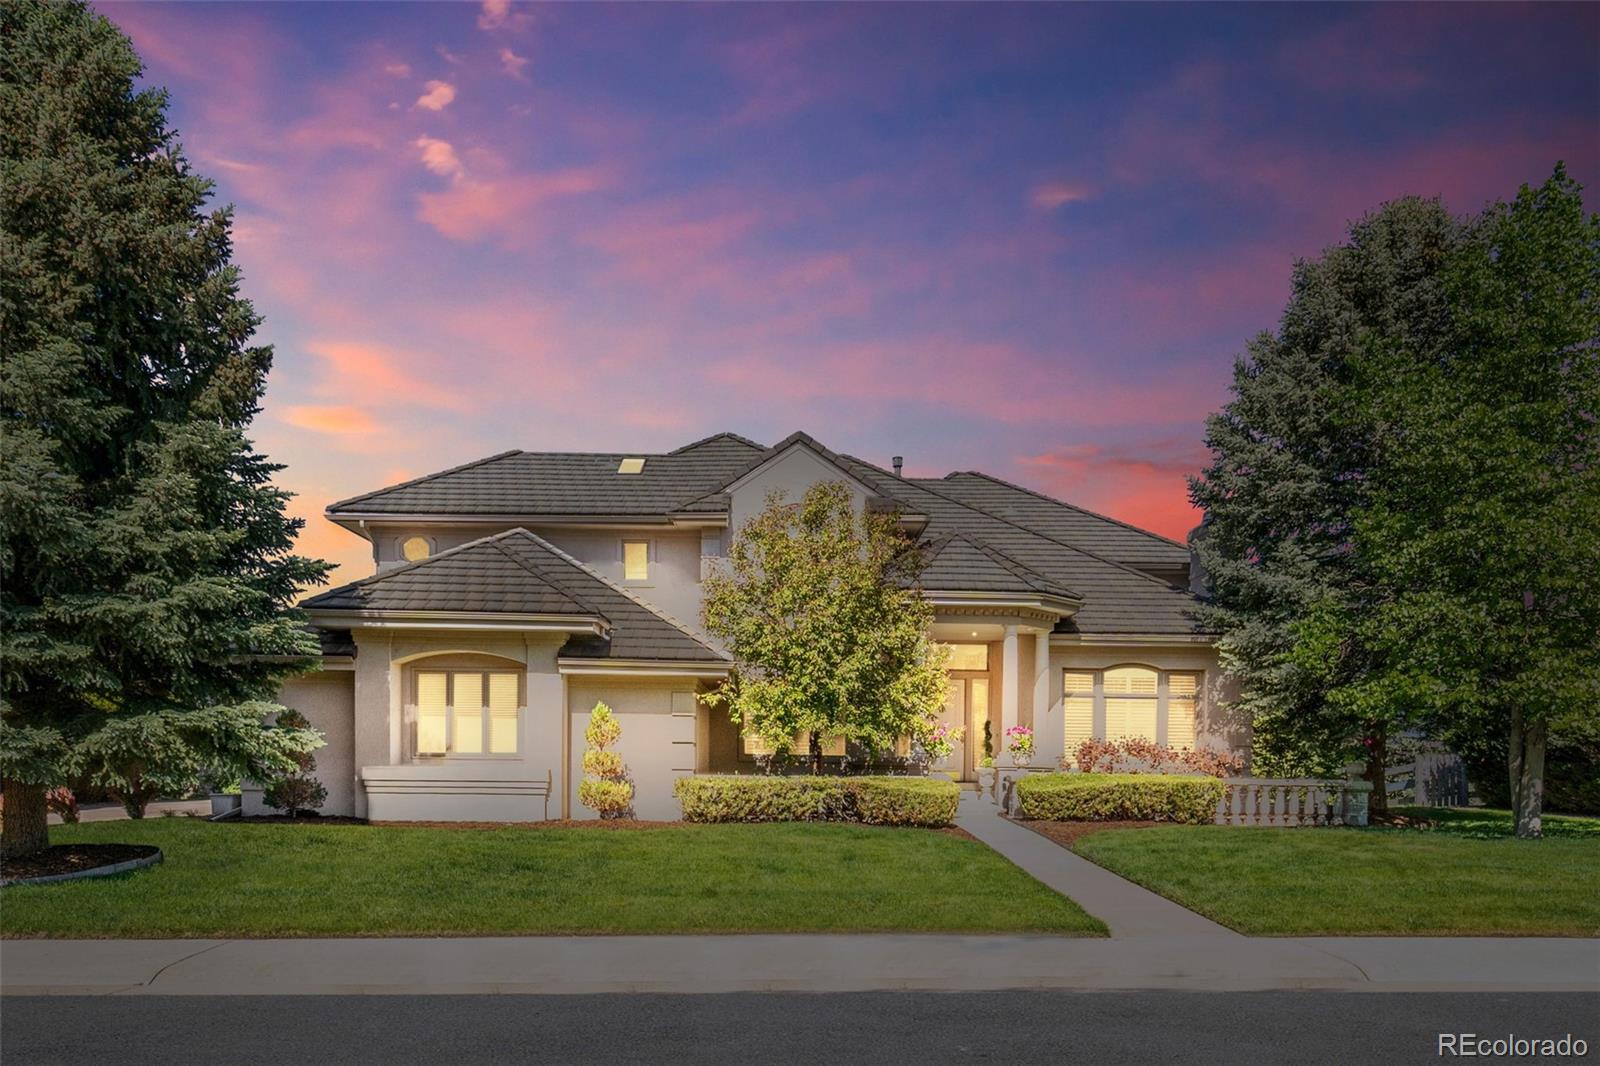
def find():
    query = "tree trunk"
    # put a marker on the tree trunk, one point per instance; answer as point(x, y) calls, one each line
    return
point(1514, 756)
point(816, 753)
point(25, 827)
point(1528, 785)
point(1377, 764)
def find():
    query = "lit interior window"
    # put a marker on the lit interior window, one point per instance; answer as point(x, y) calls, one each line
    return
point(635, 560)
point(968, 657)
point(415, 549)
point(631, 466)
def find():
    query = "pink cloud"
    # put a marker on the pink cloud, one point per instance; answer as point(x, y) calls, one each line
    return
point(474, 210)
point(439, 157)
point(438, 96)
point(513, 64)
point(380, 375)
point(1142, 484)
point(340, 420)
point(1053, 194)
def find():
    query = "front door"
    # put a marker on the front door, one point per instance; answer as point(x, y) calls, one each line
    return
point(966, 707)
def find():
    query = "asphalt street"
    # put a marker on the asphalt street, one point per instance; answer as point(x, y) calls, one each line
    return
point(889, 1028)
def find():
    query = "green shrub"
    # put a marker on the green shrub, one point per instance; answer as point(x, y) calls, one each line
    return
point(874, 800)
point(1119, 797)
point(904, 800)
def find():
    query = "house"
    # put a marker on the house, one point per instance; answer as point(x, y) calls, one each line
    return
point(514, 593)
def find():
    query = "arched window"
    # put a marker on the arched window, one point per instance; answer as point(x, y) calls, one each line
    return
point(460, 707)
point(1130, 701)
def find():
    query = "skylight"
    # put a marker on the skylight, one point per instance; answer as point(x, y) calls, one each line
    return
point(631, 466)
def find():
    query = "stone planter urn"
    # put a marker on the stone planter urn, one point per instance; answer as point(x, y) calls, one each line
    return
point(986, 780)
point(1022, 758)
point(223, 802)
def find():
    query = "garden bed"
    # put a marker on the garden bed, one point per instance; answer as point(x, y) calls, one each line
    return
point(1065, 833)
point(64, 860)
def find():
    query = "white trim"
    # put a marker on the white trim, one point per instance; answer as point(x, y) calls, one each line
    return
point(1116, 639)
point(462, 620)
point(639, 668)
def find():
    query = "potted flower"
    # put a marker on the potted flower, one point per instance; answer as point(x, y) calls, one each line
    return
point(940, 742)
point(1019, 742)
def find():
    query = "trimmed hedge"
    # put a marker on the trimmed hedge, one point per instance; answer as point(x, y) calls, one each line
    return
point(916, 801)
point(1119, 797)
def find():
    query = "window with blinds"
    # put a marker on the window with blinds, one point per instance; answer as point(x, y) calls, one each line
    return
point(467, 712)
point(1078, 706)
point(1130, 701)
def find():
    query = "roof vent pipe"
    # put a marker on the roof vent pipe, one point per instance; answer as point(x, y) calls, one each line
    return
point(899, 461)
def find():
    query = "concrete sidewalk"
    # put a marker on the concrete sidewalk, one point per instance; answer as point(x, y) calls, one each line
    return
point(797, 963)
point(1127, 909)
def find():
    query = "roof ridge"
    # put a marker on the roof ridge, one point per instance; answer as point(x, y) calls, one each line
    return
point(544, 580)
point(424, 477)
point(1016, 525)
point(586, 568)
point(718, 436)
point(1021, 569)
point(406, 567)
point(1062, 503)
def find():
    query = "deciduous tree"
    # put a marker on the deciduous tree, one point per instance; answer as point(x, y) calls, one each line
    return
point(817, 604)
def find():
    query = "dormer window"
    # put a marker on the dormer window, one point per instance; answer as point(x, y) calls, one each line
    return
point(416, 549)
point(631, 466)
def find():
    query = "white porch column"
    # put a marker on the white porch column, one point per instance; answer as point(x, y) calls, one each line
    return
point(1048, 732)
point(1010, 689)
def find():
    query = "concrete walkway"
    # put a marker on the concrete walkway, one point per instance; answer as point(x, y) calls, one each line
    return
point(1129, 910)
point(795, 963)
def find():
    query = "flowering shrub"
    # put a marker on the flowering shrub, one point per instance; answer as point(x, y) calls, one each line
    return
point(1019, 740)
point(1136, 755)
point(1119, 797)
point(940, 741)
point(61, 801)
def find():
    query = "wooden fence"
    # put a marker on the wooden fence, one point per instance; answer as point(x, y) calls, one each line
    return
point(1292, 802)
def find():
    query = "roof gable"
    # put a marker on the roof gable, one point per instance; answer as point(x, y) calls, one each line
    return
point(520, 573)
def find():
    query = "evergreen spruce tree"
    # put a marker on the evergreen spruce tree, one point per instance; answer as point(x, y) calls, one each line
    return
point(147, 559)
point(1287, 478)
point(1484, 505)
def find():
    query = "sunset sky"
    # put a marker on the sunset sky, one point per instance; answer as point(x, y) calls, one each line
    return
point(1026, 239)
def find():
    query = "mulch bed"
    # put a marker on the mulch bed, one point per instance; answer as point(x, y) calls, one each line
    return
point(1064, 833)
point(304, 819)
point(73, 858)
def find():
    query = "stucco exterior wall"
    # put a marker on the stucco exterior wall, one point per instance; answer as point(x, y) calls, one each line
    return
point(676, 563)
point(791, 473)
point(1212, 730)
point(327, 699)
point(381, 738)
point(658, 745)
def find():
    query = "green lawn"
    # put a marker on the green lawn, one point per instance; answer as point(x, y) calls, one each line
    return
point(339, 880)
point(1468, 876)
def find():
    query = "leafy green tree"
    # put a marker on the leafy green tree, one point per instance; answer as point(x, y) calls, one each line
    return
point(147, 559)
point(818, 607)
point(1483, 516)
point(1287, 478)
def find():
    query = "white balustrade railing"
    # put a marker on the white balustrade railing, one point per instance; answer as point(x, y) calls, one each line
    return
point(1292, 802)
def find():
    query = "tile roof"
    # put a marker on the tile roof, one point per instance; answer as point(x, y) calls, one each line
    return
point(519, 573)
point(524, 484)
point(957, 562)
point(1116, 598)
point(983, 533)
point(1097, 533)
